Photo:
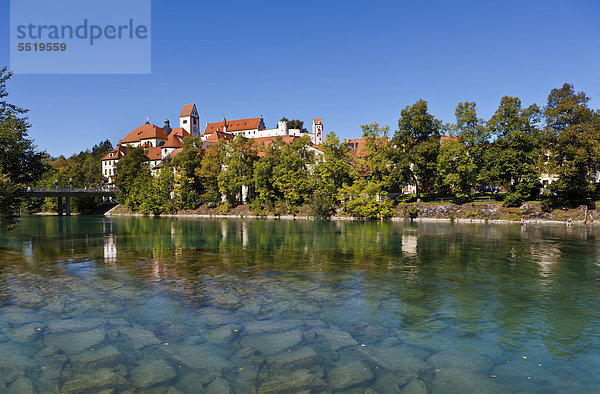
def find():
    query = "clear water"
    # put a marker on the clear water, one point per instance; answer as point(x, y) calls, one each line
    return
point(185, 305)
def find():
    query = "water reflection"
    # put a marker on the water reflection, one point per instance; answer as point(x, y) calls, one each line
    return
point(273, 302)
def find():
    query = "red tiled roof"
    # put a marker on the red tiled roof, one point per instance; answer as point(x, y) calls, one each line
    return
point(318, 120)
point(154, 153)
point(233, 125)
point(179, 131)
point(219, 135)
point(358, 146)
point(187, 110)
point(117, 153)
point(144, 132)
point(174, 141)
point(175, 152)
point(447, 138)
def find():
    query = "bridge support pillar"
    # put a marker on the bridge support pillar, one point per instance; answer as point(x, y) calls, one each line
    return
point(60, 206)
point(68, 206)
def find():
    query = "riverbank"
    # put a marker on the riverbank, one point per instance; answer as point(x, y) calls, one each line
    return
point(469, 213)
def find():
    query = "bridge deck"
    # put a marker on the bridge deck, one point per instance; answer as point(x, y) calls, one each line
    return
point(49, 192)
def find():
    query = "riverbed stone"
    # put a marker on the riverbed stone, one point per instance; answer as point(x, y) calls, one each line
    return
point(193, 381)
point(60, 326)
point(270, 344)
point(224, 334)
point(203, 358)
point(17, 316)
point(415, 386)
point(456, 381)
point(138, 337)
point(301, 379)
point(21, 386)
point(215, 317)
point(334, 338)
point(152, 374)
point(104, 357)
point(29, 300)
point(303, 357)
point(218, 386)
point(256, 327)
point(459, 360)
point(393, 359)
point(12, 363)
point(26, 333)
point(76, 342)
point(96, 380)
point(367, 331)
point(348, 375)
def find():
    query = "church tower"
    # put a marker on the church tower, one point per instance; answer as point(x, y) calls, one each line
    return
point(189, 120)
point(317, 131)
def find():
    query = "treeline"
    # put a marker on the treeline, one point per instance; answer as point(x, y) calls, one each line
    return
point(81, 170)
point(508, 152)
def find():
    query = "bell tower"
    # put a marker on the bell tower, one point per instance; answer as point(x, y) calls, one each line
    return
point(189, 119)
point(317, 131)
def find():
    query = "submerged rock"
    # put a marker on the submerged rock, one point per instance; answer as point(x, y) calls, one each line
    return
point(21, 386)
point(76, 342)
point(153, 373)
point(273, 343)
point(368, 331)
point(192, 382)
point(295, 381)
point(456, 381)
point(393, 359)
point(349, 375)
point(415, 386)
point(96, 380)
point(218, 386)
point(69, 325)
point(138, 337)
point(460, 360)
point(104, 357)
point(303, 357)
point(28, 332)
point(255, 327)
point(335, 339)
point(224, 334)
point(201, 358)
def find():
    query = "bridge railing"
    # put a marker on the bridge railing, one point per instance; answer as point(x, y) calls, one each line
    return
point(72, 190)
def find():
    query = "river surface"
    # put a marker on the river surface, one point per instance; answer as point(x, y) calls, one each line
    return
point(188, 305)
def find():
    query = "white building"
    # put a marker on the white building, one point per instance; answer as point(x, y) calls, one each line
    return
point(255, 128)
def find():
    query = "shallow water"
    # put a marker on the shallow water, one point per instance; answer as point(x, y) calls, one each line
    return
point(185, 305)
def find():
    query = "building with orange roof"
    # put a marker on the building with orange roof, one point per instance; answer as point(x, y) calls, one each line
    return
point(255, 128)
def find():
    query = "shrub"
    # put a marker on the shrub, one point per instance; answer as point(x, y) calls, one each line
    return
point(361, 200)
point(413, 212)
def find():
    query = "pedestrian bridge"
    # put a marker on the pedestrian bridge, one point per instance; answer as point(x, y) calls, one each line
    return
point(106, 192)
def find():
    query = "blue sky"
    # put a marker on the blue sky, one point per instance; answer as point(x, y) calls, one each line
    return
point(348, 62)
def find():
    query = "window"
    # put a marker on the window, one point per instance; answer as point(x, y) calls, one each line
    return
point(195, 121)
point(185, 121)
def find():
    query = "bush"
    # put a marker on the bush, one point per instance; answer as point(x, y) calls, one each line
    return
point(413, 212)
point(257, 208)
point(322, 203)
point(224, 208)
point(361, 200)
point(514, 199)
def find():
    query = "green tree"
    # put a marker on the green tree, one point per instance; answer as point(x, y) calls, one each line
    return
point(417, 143)
point(292, 175)
point(238, 169)
point(133, 178)
point(188, 183)
point(513, 159)
point(365, 199)
point(457, 169)
point(20, 163)
point(267, 193)
point(336, 164)
point(573, 132)
point(376, 161)
point(209, 171)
